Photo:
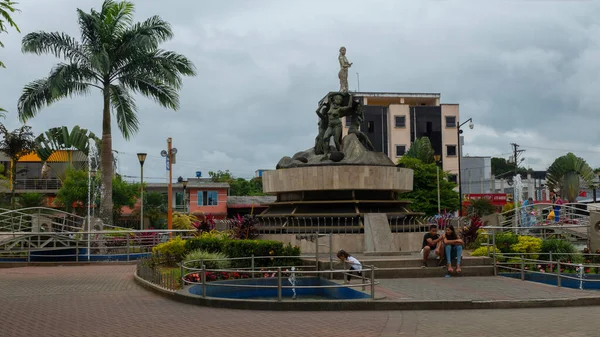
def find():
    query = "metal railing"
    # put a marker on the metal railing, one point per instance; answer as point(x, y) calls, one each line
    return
point(191, 275)
point(37, 184)
point(97, 246)
point(537, 214)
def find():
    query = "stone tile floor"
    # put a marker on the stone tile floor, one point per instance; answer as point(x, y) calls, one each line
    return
point(105, 301)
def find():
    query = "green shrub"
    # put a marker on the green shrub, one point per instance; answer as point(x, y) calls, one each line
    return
point(528, 245)
point(483, 251)
point(482, 237)
point(560, 250)
point(505, 240)
point(211, 260)
point(208, 244)
point(169, 253)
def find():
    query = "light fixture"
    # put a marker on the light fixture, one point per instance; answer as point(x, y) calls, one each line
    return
point(163, 153)
point(142, 158)
point(184, 183)
point(437, 157)
point(471, 125)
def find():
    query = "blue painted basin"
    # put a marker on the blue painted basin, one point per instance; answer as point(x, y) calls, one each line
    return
point(590, 281)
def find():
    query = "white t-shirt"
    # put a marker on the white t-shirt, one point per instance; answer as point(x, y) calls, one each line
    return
point(354, 264)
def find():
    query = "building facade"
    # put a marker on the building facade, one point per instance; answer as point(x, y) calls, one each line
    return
point(394, 120)
point(476, 175)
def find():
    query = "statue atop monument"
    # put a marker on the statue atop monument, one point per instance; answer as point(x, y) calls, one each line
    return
point(343, 73)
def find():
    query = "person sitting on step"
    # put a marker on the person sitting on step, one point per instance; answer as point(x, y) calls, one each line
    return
point(432, 246)
point(454, 247)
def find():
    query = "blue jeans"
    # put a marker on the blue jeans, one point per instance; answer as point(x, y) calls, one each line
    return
point(457, 250)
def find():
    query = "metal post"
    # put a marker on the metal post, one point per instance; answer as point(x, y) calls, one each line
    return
point(317, 251)
point(279, 284)
point(372, 281)
point(437, 171)
point(127, 247)
point(551, 265)
point(182, 275)
point(331, 255)
point(203, 280)
point(76, 248)
point(558, 282)
point(29, 250)
point(522, 268)
point(458, 148)
point(89, 243)
point(170, 191)
point(494, 252)
point(142, 196)
point(364, 279)
point(252, 265)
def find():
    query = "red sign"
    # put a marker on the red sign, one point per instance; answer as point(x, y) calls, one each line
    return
point(494, 198)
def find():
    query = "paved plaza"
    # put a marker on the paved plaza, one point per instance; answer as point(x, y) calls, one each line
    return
point(104, 300)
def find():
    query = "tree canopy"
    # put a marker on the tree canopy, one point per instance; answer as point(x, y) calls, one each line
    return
point(16, 144)
point(238, 186)
point(421, 149)
point(117, 56)
point(424, 194)
point(565, 175)
point(503, 169)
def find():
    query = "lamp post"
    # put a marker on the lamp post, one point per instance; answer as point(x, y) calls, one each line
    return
point(185, 208)
point(437, 158)
point(142, 159)
point(458, 132)
point(170, 157)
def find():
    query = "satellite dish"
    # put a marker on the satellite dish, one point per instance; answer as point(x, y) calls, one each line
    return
point(198, 174)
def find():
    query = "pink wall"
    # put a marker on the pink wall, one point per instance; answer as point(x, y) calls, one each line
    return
point(219, 209)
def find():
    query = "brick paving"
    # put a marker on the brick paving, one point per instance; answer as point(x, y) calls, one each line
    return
point(105, 301)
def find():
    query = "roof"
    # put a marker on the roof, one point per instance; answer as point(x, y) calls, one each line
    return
point(192, 183)
point(248, 201)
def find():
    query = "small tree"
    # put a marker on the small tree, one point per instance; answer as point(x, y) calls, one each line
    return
point(238, 186)
point(16, 144)
point(74, 189)
point(421, 149)
point(424, 193)
point(124, 194)
point(33, 199)
point(480, 207)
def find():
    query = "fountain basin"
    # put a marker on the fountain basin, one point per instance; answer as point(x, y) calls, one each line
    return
point(315, 289)
point(590, 281)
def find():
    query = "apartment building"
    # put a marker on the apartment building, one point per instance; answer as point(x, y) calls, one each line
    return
point(394, 120)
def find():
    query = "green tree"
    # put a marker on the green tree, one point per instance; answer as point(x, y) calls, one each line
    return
point(155, 209)
point(424, 194)
point(32, 199)
point(74, 189)
point(238, 186)
point(116, 56)
point(481, 207)
point(7, 8)
point(15, 144)
point(566, 173)
point(503, 169)
point(124, 194)
point(421, 149)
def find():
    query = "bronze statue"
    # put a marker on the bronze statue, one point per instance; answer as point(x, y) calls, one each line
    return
point(323, 124)
point(343, 73)
point(357, 118)
point(334, 123)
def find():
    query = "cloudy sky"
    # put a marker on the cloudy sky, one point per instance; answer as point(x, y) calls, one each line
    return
point(526, 72)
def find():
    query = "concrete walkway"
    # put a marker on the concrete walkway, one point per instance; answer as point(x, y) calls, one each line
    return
point(105, 301)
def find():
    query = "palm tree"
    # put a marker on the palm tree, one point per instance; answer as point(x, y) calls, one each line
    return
point(421, 149)
point(51, 142)
point(16, 144)
point(117, 57)
point(7, 8)
point(566, 173)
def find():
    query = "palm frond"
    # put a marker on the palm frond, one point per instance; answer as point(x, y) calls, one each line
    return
point(145, 84)
point(125, 110)
point(7, 7)
point(58, 44)
point(421, 149)
point(64, 81)
point(166, 66)
point(116, 17)
point(566, 171)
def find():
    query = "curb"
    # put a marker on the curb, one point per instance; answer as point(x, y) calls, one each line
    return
point(364, 305)
point(64, 264)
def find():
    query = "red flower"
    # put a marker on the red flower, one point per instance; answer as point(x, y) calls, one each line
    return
point(587, 270)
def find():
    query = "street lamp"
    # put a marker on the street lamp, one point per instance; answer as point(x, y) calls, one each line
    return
point(437, 158)
point(170, 157)
point(458, 132)
point(142, 159)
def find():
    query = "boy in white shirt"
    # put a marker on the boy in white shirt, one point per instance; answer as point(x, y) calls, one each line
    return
point(355, 266)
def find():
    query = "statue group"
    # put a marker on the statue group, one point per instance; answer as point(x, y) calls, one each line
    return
point(336, 106)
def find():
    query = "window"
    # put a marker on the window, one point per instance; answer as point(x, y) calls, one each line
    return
point(400, 150)
point(450, 121)
point(370, 127)
point(400, 121)
point(208, 198)
point(450, 150)
point(348, 121)
point(453, 178)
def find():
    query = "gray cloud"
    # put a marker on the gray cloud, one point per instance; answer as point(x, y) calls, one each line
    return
point(526, 72)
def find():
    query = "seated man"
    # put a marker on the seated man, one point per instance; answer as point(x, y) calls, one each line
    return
point(432, 246)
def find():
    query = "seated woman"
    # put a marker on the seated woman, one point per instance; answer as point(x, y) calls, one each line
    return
point(453, 244)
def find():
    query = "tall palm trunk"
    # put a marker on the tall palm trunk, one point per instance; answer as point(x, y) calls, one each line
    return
point(106, 204)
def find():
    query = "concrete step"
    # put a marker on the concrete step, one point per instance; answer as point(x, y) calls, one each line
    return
point(412, 272)
point(416, 263)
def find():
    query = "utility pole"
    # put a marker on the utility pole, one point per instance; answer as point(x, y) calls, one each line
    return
point(516, 153)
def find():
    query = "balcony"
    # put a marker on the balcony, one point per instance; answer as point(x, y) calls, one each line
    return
point(40, 185)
